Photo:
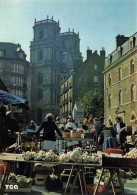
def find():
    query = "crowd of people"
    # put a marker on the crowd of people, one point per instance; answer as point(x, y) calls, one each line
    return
point(112, 136)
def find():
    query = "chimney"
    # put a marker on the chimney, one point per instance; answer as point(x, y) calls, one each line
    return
point(89, 53)
point(103, 53)
point(120, 39)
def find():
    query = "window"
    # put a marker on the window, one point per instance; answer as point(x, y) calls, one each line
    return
point(110, 59)
point(40, 78)
point(1, 53)
point(134, 41)
point(131, 67)
point(95, 79)
point(109, 79)
point(120, 97)
point(95, 90)
point(40, 55)
point(133, 117)
point(40, 94)
point(119, 74)
point(120, 52)
point(95, 66)
point(132, 92)
point(110, 100)
point(41, 34)
point(130, 44)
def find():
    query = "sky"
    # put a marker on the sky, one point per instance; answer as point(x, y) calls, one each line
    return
point(97, 21)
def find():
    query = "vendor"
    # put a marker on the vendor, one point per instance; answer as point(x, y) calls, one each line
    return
point(70, 124)
point(49, 139)
point(108, 137)
point(123, 136)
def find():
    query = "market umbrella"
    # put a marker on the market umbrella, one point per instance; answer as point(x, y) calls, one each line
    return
point(14, 100)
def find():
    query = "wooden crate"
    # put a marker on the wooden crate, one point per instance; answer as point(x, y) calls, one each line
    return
point(27, 187)
point(25, 190)
point(40, 179)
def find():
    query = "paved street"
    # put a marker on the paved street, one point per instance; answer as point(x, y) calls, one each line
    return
point(130, 189)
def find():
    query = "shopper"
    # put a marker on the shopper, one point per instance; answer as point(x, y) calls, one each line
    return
point(118, 126)
point(70, 124)
point(108, 137)
point(49, 138)
point(100, 125)
point(32, 125)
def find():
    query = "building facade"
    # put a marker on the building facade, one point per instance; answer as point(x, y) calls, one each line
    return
point(86, 76)
point(51, 57)
point(13, 68)
point(120, 78)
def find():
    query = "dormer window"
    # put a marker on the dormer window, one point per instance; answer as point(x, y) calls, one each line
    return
point(110, 59)
point(132, 42)
point(120, 52)
point(1, 53)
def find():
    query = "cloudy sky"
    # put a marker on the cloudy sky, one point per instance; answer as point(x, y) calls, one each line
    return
point(97, 21)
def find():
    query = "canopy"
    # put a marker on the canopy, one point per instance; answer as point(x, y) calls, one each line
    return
point(14, 100)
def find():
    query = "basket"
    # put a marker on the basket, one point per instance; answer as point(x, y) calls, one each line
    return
point(75, 134)
point(66, 134)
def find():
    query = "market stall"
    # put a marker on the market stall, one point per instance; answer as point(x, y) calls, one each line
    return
point(113, 161)
point(11, 158)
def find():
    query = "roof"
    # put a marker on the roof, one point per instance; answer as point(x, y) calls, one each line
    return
point(114, 55)
point(11, 50)
point(2, 86)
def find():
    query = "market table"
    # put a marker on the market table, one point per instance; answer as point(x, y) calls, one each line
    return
point(29, 137)
point(114, 165)
point(10, 158)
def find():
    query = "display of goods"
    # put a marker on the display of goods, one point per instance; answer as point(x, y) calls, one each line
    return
point(114, 151)
point(41, 155)
point(131, 154)
point(65, 134)
point(91, 189)
point(77, 156)
point(75, 134)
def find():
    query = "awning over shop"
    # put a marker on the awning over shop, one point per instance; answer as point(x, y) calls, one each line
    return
point(8, 98)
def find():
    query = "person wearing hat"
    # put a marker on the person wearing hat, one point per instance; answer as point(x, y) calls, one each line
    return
point(49, 139)
point(123, 136)
point(100, 125)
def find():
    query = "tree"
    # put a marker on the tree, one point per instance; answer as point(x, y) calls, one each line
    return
point(93, 104)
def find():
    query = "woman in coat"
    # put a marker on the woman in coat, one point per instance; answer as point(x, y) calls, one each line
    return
point(49, 139)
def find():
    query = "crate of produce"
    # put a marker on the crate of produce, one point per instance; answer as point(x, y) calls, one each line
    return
point(114, 151)
point(75, 134)
point(91, 189)
point(43, 168)
point(40, 179)
point(18, 183)
point(66, 134)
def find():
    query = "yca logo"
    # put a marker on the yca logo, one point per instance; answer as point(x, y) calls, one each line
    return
point(11, 187)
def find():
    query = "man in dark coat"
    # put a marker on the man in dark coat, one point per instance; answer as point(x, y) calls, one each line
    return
point(119, 125)
point(99, 126)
